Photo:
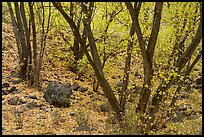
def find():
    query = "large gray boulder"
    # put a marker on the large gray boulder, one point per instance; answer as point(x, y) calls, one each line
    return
point(58, 94)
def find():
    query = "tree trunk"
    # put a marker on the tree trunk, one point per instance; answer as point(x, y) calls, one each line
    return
point(24, 63)
point(15, 29)
point(32, 19)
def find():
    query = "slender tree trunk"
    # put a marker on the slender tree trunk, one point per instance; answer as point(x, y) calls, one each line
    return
point(24, 63)
point(123, 92)
point(16, 32)
point(34, 44)
point(27, 40)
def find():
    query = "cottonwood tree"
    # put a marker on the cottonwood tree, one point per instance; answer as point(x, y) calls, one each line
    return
point(22, 32)
point(29, 62)
point(94, 58)
point(147, 51)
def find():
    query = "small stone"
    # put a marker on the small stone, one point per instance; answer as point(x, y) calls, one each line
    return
point(12, 89)
point(16, 81)
point(32, 105)
point(13, 101)
point(72, 113)
point(33, 97)
point(83, 128)
point(75, 86)
point(5, 85)
point(193, 116)
point(180, 115)
point(83, 89)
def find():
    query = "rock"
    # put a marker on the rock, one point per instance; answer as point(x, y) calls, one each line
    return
point(72, 113)
point(5, 85)
point(15, 101)
point(83, 89)
point(183, 110)
point(83, 128)
point(33, 97)
point(32, 105)
point(193, 116)
point(58, 94)
point(75, 86)
point(179, 116)
point(11, 89)
point(16, 81)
